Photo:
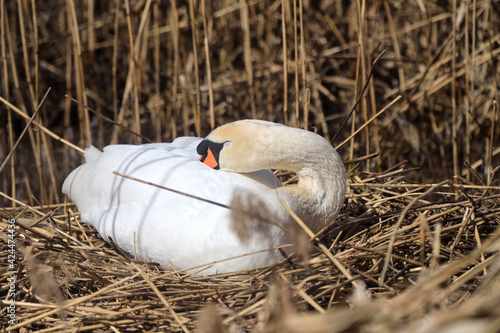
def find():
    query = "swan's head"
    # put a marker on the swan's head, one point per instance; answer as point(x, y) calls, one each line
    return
point(241, 146)
point(252, 145)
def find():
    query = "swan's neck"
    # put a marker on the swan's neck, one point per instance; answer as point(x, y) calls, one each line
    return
point(321, 187)
point(320, 191)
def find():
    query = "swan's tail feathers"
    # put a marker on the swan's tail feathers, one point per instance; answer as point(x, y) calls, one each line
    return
point(68, 182)
point(92, 153)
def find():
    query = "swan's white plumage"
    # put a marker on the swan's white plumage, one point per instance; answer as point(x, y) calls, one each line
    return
point(173, 229)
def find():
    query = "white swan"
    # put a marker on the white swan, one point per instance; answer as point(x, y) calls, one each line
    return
point(176, 230)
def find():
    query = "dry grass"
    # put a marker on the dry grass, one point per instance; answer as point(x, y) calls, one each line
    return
point(425, 252)
point(443, 269)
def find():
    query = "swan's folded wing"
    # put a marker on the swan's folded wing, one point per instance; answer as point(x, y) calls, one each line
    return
point(157, 223)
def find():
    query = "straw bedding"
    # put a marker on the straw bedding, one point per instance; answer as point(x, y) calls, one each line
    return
point(442, 271)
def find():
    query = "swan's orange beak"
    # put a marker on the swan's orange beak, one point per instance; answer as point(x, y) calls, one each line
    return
point(209, 152)
point(209, 159)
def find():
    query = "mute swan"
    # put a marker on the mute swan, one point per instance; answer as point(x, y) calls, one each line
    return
point(173, 229)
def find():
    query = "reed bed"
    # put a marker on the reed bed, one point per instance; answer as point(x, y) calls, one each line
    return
point(406, 90)
point(402, 257)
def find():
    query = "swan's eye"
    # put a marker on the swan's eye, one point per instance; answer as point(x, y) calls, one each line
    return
point(227, 143)
point(209, 152)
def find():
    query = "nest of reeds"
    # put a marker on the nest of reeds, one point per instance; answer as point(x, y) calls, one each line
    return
point(401, 257)
point(408, 90)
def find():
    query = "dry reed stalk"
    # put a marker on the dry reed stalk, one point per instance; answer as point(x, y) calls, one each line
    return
point(245, 27)
point(194, 38)
point(85, 138)
point(157, 117)
point(395, 44)
point(36, 50)
point(306, 91)
point(208, 67)
point(454, 118)
point(467, 100)
point(489, 157)
point(361, 76)
point(25, 52)
point(114, 57)
point(296, 122)
point(285, 62)
point(68, 133)
point(94, 84)
point(174, 22)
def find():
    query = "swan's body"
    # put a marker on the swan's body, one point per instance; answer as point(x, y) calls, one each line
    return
point(176, 230)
